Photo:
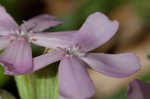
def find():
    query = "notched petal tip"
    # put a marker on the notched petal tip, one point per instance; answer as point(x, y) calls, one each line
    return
point(97, 30)
point(114, 65)
point(101, 15)
point(116, 25)
point(136, 61)
point(132, 65)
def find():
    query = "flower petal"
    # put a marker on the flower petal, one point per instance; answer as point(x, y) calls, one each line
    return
point(74, 81)
point(4, 42)
point(46, 59)
point(54, 40)
point(138, 90)
point(41, 22)
point(97, 30)
point(118, 65)
point(7, 23)
point(17, 58)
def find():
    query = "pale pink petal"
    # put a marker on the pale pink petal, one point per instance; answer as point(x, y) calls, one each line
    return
point(54, 39)
point(41, 22)
point(61, 97)
point(117, 65)
point(7, 23)
point(4, 42)
point(138, 90)
point(74, 81)
point(96, 30)
point(17, 58)
point(46, 59)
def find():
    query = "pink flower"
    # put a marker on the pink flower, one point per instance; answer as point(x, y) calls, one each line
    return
point(17, 58)
point(73, 51)
point(138, 90)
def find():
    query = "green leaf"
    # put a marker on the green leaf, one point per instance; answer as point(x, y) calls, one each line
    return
point(6, 95)
point(3, 78)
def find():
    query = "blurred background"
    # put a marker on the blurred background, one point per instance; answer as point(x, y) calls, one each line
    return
point(133, 35)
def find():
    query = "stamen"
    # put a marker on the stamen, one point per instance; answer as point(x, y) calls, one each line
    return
point(28, 29)
point(34, 40)
point(34, 25)
point(72, 51)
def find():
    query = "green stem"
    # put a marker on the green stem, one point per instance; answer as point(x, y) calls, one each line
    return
point(26, 86)
point(46, 83)
point(39, 85)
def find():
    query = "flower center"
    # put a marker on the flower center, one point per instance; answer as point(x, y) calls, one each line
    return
point(20, 33)
point(74, 51)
